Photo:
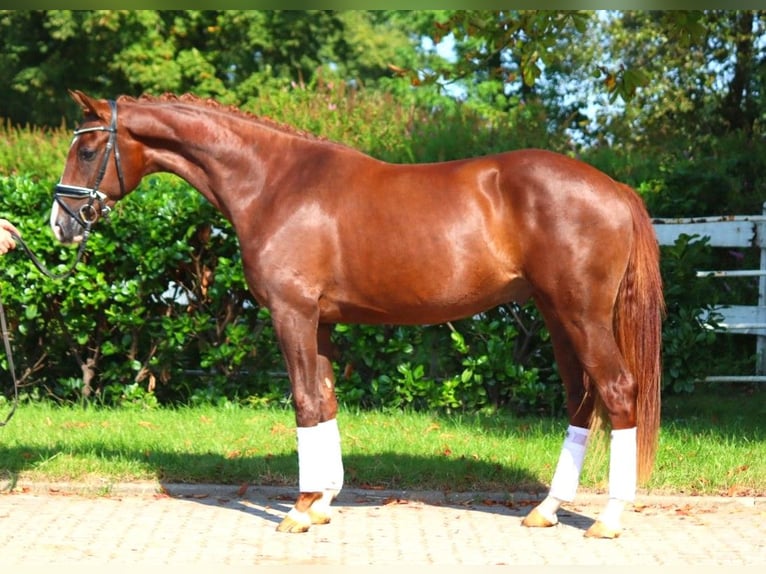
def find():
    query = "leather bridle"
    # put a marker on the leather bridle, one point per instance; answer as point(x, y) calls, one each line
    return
point(96, 205)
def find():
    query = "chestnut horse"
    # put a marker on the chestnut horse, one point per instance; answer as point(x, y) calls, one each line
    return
point(330, 235)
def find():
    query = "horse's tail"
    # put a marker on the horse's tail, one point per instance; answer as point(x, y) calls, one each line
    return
point(639, 311)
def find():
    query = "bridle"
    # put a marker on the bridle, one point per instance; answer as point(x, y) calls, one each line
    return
point(87, 215)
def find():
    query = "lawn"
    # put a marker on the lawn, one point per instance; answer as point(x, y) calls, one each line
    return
point(712, 442)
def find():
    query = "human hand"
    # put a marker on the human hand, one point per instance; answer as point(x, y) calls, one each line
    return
point(7, 242)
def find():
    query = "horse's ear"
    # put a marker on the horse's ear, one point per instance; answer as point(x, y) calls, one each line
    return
point(91, 106)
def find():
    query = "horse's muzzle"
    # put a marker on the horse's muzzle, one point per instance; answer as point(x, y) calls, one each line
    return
point(65, 227)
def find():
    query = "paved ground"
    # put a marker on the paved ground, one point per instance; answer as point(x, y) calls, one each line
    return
point(225, 526)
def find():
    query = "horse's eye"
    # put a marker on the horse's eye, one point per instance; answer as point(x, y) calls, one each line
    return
point(86, 154)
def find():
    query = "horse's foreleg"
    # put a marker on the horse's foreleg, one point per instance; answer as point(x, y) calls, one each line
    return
point(320, 472)
point(331, 449)
point(320, 476)
point(566, 479)
point(320, 466)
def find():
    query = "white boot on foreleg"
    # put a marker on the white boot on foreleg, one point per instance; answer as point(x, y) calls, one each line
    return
point(320, 511)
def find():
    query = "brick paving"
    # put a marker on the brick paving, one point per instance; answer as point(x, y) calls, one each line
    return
point(200, 525)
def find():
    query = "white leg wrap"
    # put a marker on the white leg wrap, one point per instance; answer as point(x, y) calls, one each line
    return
point(622, 476)
point(320, 465)
point(622, 465)
point(566, 479)
point(612, 514)
point(310, 460)
point(334, 455)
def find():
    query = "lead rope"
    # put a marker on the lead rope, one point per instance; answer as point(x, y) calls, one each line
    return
point(4, 324)
point(42, 268)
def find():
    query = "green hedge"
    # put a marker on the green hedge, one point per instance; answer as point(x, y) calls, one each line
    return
point(159, 294)
point(159, 311)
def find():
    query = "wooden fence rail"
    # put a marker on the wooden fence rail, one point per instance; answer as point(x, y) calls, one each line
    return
point(748, 231)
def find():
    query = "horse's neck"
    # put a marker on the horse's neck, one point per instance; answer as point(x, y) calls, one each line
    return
point(213, 152)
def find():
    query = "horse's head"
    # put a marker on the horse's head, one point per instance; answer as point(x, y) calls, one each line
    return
point(99, 170)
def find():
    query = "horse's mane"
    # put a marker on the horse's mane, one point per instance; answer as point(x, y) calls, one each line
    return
point(193, 100)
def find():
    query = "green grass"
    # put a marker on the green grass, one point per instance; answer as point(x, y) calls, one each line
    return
point(714, 443)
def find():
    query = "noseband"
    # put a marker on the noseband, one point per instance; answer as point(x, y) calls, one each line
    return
point(87, 215)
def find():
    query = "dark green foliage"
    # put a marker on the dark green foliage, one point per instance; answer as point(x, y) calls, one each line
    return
point(159, 311)
point(159, 301)
point(230, 55)
point(498, 359)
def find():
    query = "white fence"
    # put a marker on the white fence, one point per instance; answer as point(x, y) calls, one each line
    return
point(730, 231)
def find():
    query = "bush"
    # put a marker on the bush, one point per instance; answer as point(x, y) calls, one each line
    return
point(499, 359)
point(158, 300)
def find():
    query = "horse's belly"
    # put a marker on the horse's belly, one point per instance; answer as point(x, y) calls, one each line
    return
point(410, 306)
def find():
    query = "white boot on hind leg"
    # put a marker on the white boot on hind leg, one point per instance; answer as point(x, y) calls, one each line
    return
point(622, 484)
point(566, 478)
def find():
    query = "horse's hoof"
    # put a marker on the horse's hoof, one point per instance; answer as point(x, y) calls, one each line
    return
point(319, 517)
point(292, 526)
point(600, 530)
point(535, 519)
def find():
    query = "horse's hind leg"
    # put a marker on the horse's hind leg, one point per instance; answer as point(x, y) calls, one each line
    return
point(590, 336)
point(566, 477)
point(618, 392)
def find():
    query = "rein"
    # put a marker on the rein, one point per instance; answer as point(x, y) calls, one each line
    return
point(86, 216)
point(4, 324)
point(41, 266)
point(9, 354)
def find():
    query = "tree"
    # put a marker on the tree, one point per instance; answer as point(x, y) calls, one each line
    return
point(228, 54)
point(105, 52)
point(694, 134)
point(518, 46)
